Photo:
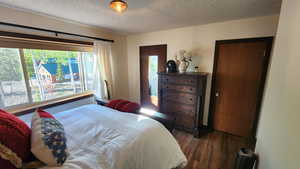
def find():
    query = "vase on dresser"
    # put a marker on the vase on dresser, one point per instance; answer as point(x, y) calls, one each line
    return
point(183, 66)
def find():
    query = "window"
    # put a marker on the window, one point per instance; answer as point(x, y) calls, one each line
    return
point(12, 84)
point(153, 79)
point(34, 75)
point(53, 74)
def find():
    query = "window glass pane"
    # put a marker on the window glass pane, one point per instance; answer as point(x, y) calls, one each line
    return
point(53, 74)
point(12, 84)
point(153, 78)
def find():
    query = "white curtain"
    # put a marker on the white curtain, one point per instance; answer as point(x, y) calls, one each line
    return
point(102, 69)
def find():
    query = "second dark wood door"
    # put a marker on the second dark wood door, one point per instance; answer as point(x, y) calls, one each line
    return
point(239, 75)
point(152, 60)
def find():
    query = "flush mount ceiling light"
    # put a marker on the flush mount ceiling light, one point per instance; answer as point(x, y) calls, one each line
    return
point(118, 5)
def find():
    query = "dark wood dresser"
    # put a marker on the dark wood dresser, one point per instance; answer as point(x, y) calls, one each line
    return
point(183, 95)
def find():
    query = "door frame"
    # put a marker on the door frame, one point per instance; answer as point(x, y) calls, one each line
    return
point(269, 41)
point(153, 48)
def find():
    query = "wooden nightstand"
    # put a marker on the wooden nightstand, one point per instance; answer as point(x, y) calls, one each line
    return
point(166, 119)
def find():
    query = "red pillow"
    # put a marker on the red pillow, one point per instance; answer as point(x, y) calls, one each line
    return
point(120, 104)
point(112, 104)
point(130, 107)
point(14, 141)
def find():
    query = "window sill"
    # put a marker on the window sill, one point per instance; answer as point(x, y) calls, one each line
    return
point(27, 108)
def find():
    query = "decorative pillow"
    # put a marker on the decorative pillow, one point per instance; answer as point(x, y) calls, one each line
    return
point(120, 104)
point(112, 104)
point(48, 141)
point(130, 107)
point(14, 141)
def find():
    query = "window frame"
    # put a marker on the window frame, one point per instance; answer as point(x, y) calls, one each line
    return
point(27, 107)
point(26, 41)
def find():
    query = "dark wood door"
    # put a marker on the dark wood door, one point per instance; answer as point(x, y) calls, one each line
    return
point(152, 60)
point(238, 81)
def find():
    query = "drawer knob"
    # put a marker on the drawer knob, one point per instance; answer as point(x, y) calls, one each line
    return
point(191, 99)
point(191, 89)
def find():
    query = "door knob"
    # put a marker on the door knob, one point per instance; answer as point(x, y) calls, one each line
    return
point(217, 94)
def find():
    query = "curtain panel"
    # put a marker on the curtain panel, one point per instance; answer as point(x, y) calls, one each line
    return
point(102, 70)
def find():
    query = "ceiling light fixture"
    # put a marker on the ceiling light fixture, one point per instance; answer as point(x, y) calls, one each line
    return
point(118, 5)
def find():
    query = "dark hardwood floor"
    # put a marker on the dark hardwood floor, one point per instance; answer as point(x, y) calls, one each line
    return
point(215, 150)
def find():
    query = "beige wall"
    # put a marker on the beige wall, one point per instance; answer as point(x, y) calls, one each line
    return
point(200, 40)
point(119, 47)
point(278, 140)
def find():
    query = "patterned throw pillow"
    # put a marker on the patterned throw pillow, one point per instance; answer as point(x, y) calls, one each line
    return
point(14, 141)
point(48, 141)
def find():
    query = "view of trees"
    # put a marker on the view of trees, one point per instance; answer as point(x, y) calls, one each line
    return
point(11, 70)
point(10, 65)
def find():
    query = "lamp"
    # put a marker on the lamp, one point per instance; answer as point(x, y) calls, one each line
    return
point(118, 5)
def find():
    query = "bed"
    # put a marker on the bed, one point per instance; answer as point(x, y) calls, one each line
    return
point(99, 137)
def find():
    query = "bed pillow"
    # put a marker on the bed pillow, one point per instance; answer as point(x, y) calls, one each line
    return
point(14, 141)
point(120, 104)
point(130, 107)
point(112, 104)
point(48, 140)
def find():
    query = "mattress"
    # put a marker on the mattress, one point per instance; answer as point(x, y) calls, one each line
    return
point(102, 138)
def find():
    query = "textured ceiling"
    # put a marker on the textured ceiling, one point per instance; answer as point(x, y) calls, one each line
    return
point(148, 15)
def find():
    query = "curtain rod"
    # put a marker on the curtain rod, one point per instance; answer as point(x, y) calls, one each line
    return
point(55, 32)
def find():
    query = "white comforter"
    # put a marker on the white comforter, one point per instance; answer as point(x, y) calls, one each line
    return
point(102, 138)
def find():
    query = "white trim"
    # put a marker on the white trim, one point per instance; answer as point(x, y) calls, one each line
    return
point(28, 106)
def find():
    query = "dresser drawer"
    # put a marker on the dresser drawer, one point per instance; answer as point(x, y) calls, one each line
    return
point(187, 122)
point(184, 98)
point(175, 108)
point(180, 88)
point(185, 80)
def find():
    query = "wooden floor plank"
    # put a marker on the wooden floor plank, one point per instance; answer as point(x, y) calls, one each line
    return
point(215, 150)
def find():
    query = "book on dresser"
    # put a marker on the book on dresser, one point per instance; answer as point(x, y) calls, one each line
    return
point(183, 95)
